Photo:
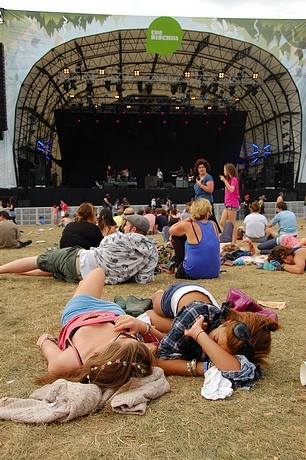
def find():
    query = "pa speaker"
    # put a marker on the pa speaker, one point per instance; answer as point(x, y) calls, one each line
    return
point(3, 115)
point(269, 175)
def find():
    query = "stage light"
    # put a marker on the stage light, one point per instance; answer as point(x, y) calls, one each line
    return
point(66, 70)
point(221, 75)
point(78, 68)
point(232, 89)
point(285, 122)
point(119, 88)
point(255, 76)
point(136, 73)
point(187, 74)
point(101, 72)
point(107, 85)
point(140, 86)
point(174, 87)
point(254, 90)
point(149, 87)
point(66, 85)
point(89, 87)
point(214, 88)
point(203, 89)
point(183, 87)
point(73, 84)
point(285, 135)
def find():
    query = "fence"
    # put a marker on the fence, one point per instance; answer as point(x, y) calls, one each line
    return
point(33, 216)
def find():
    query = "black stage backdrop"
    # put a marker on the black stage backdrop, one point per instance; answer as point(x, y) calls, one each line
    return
point(90, 141)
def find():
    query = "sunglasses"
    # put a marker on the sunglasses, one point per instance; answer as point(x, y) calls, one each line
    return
point(242, 332)
point(129, 336)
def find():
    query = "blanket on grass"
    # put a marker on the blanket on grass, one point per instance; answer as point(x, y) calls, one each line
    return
point(63, 401)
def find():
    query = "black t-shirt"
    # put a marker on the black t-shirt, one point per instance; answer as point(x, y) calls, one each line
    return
point(84, 234)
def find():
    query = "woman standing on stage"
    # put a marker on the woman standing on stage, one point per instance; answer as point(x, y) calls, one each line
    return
point(204, 185)
point(231, 197)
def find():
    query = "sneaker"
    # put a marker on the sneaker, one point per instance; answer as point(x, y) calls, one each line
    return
point(25, 243)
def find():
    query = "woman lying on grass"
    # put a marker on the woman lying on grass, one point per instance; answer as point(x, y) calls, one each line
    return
point(88, 348)
point(199, 333)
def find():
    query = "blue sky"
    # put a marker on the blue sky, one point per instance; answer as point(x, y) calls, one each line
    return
point(284, 9)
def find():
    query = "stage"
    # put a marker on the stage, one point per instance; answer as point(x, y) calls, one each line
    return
point(47, 196)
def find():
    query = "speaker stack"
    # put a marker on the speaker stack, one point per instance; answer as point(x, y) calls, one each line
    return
point(3, 114)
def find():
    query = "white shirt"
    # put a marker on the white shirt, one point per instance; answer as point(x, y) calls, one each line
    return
point(255, 225)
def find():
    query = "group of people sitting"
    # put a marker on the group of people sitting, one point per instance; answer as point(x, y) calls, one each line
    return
point(284, 246)
point(184, 333)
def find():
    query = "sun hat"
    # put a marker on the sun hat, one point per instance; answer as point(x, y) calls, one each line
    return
point(129, 211)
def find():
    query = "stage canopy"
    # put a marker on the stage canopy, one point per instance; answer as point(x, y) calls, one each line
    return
point(95, 66)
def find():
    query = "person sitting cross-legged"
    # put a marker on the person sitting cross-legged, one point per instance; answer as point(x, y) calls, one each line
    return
point(10, 237)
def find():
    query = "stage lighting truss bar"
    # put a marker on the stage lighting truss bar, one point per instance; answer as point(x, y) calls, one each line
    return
point(145, 78)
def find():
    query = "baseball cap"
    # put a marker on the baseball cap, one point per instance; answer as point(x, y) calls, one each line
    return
point(139, 222)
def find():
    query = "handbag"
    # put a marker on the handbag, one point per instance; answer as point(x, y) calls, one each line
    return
point(243, 302)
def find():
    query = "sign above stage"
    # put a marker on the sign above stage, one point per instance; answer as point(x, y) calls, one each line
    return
point(164, 36)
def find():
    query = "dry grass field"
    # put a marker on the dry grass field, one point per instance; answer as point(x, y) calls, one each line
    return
point(267, 422)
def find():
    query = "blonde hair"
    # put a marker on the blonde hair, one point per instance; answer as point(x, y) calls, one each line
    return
point(111, 367)
point(200, 209)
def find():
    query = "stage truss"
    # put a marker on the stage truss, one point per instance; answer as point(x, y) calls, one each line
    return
point(113, 72)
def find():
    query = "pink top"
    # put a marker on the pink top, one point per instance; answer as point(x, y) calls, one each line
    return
point(232, 198)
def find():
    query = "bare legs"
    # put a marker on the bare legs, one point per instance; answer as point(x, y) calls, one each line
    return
point(92, 285)
point(229, 214)
point(24, 266)
point(157, 316)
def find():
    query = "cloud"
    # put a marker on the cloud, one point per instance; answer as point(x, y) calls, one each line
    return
point(283, 9)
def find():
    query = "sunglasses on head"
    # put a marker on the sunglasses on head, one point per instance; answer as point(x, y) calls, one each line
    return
point(242, 332)
point(130, 336)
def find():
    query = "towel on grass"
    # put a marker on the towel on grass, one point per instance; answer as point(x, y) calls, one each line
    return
point(215, 385)
point(62, 401)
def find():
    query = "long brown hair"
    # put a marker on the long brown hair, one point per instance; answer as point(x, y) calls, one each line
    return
point(260, 326)
point(111, 367)
point(231, 171)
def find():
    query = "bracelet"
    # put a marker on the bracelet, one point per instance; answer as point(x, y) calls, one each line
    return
point(193, 365)
point(188, 364)
point(196, 339)
point(48, 337)
point(147, 330)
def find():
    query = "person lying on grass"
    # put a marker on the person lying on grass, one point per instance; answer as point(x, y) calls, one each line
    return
point(293, 260)
point(88, 349)
point(197, 333)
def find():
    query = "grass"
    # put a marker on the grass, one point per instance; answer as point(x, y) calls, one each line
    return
point(267, 422)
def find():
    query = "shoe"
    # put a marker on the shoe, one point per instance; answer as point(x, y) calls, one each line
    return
point(25, 243)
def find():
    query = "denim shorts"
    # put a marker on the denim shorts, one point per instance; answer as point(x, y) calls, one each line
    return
point(232, 208)
point(61, 262)
point(166, 304)
point(81, 304)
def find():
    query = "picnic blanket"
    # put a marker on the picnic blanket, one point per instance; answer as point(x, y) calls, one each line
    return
point(62, 401)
